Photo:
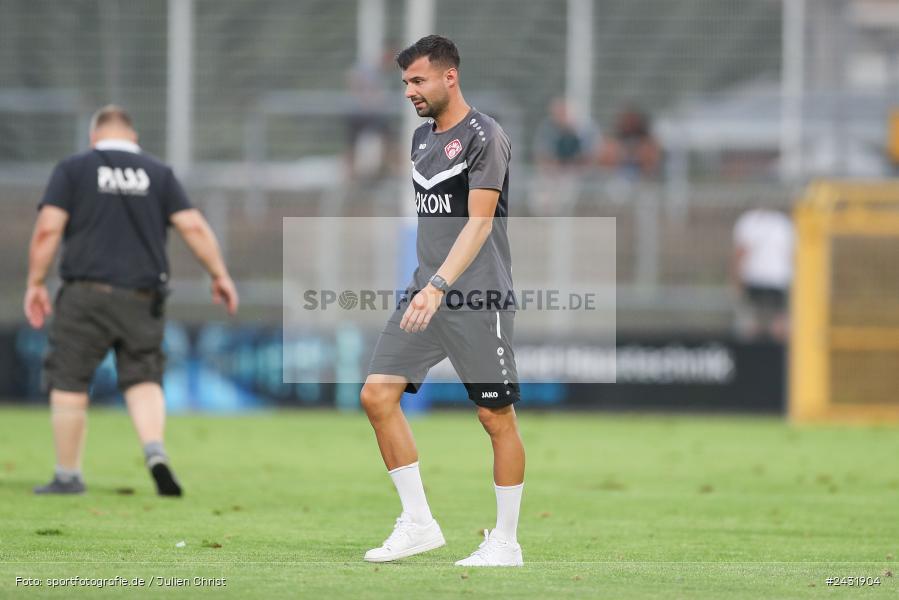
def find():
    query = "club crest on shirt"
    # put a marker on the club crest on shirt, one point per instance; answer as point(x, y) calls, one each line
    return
point(453, 149)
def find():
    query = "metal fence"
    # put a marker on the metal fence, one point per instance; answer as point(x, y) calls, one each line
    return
point(257, 104)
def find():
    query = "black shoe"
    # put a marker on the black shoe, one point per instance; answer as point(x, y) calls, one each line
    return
point(166, 484)
point(58, 486)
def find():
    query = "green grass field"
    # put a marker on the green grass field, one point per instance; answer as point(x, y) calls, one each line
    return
point(284, 505)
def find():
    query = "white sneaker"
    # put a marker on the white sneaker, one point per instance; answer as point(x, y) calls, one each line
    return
point(408, 538)
point(494, 552)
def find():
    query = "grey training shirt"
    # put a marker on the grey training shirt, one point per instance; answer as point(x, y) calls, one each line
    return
point(474, 154)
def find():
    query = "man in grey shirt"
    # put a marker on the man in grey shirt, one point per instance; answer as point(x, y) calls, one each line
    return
point(459, 305)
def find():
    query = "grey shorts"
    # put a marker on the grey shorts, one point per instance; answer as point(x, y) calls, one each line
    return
point(87, 322)
point(478, 343)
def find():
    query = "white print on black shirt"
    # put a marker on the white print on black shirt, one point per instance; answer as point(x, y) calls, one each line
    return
point(130, 181)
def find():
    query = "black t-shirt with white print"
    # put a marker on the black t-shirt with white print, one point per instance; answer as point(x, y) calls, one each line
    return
point(474, 154)
point(101, 241)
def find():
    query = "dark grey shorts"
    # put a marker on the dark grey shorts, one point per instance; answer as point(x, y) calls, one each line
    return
point(87, 322)
point(477, 342)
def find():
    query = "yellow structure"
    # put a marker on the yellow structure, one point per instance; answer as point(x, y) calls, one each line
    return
point(893, 137)
point(844, 350)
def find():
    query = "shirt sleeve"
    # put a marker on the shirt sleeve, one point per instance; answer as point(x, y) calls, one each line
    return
point(60, 190)
point(741, 230)
point(489, 162)
point(175, 197)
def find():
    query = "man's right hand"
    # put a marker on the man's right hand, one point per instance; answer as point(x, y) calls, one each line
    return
point(224, 292)
point(37, 305)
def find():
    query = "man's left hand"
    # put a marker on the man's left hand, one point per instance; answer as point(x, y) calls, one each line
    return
point(224, 292)
point(37, 305)
point(420, 310)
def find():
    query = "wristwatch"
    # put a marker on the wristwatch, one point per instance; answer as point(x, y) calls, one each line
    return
point(439, 282)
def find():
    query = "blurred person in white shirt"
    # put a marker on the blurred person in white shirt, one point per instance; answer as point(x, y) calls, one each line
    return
point(762, 273)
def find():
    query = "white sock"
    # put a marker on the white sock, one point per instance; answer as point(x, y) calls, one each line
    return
point(66, 475)
point(508, 503)
point(412, 493)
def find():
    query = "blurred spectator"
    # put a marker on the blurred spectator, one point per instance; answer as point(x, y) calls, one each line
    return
point(762, 272)
point(562, 152)
point(631, 151)
point(368, 125)
point(560, 143)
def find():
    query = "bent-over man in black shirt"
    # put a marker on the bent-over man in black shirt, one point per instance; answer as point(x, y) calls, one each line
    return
point(111, 207)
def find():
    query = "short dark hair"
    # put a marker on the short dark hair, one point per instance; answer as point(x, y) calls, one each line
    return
point(438, 49)
point(109, 114)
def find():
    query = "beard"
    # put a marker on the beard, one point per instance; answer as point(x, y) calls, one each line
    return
point(432, 108)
